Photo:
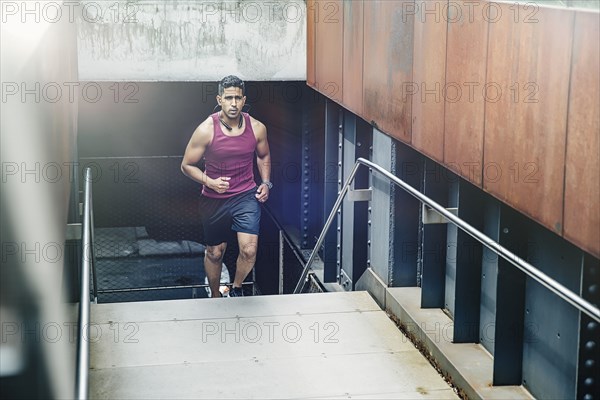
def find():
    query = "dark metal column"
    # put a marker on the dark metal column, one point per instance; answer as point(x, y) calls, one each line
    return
point(510, 303)
point(342, 277)
point(433, 245)
point(588, 383)
point(354, 227)
point(463, 263)
point(489, 276)
point(329, 249)
point(313, 168)
point(381, 207)
point(308, 187)
point(405, 219)
point(551, 335)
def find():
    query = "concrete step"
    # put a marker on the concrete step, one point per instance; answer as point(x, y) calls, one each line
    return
point(322, 345)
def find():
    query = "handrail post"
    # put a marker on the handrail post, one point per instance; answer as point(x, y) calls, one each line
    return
point(280, 259)
point(83, 346)
point(92, 247)
point(321, 238)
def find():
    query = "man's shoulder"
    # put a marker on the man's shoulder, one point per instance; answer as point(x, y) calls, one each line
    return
point(256, 124)
point(207, 123)
point(204, 131)
point(206, 126)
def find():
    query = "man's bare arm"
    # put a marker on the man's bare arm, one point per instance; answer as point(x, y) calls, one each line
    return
point(194, 152)
point(263, 160)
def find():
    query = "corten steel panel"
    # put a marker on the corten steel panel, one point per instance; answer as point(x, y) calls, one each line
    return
point(310, 42)
point(429, 70)
point(353, 56)
point(582, 189)
point(526, 110)
point(329, 22)
point(465, 77)
point(388, 49)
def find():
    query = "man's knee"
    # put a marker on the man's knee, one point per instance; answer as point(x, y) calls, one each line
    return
point(248, 252)
point(215, 253)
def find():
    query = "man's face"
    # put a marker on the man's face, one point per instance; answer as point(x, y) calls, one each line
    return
point(232, 102)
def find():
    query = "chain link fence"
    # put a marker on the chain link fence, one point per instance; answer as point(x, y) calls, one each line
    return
point(292, 264)
point(132, 266)
point(147, 230)
point(148, 234)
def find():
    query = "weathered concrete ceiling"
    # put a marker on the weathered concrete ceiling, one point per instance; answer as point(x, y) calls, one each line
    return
point(191, 40)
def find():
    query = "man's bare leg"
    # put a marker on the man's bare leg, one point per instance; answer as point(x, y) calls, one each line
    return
point(248, 244)
point(213, 261)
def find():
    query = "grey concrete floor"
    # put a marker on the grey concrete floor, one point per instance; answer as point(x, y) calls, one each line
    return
point(325, 345)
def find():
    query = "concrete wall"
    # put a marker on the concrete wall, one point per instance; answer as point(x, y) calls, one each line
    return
point(191, 40)
point(38, 134)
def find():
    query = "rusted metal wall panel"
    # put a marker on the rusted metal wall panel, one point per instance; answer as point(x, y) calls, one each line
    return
point(503, 75)
point(526, 110)
point(465, 106)
point(310, 42)
point(582, 182)
point(353, 56)
point(388, 59)
point(329, 45)
point(429, 73)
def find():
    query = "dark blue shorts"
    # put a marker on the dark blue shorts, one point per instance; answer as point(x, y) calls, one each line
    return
point(240, 213)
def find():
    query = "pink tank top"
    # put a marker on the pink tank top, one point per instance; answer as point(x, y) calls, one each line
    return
point(231, 156)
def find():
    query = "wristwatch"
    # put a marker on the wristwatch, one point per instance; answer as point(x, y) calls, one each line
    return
point(269, 184)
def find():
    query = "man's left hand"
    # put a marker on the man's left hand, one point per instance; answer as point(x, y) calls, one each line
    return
point(262, 193)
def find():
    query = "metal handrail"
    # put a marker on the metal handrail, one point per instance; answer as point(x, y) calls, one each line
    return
point(546, 281)
point(286, 236)
point(92, 242)
point(87, 263)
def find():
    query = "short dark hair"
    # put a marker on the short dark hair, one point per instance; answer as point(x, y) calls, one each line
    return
point(231, 81)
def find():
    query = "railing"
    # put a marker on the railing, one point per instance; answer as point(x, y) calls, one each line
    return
point(295, 263)
point(546, 281)
point(87, 265)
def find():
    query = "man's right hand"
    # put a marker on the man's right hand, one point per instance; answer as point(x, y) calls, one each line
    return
point(219, 185)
